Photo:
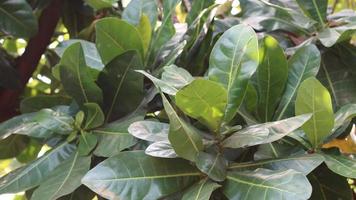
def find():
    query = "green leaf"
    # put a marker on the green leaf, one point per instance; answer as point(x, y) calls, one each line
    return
point(197, 8)
point(114, 137)
point(64, 179)
point(330, 36)
point(272, 75)
point(145, 30)
point(184, 138)
point(155, 178)
point(41, 124)
point(161, 149)
point(344, 115)
point(100, 4)
point(304, 63)
point(75, 77)
point(122, 86)
point(341, 164)
point(313, 97)
point(12, 146)
point(314, 9)
point(203, 100)
point(87, 142)
point(162, 85)
point(264, 133)
point(17, 19)
point(304, 163)
point(91, 54)
point(94, 117)
point(137, 8)
point(213, 165)
point(263, 184)
point(36, 103)
point(201, 190)
point(233, 60)
point(30, 153)
point(149, 130)
point(175, 76)
point(33, 174)
point(115, 36)
point(328, 185)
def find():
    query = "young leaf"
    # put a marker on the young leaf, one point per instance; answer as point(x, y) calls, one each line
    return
point(233, 60)
point(201, 190)
point(33, 174)
point(143, 177)
point(203, 100)
point(340, 164)
point(263, 184)
point(149, 130)
point(264, 133)
point(114, 137)
point(94, 117)
point(304, 63)
point(115, 36)
point(212, 165)
point(184, 138)
point(161, 149)
point(314, 98)
point(75, 77)
point(64, 179)
point(122, 86)
point(271, 77)
point(87, 142)
point(304, 163)
point(17, 19)
point(314, 9)
point(145, 30)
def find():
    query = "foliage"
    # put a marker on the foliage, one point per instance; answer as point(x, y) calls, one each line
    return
point(182, 100)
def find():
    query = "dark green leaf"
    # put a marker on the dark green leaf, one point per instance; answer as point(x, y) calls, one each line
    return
point(184, 138)
point(36, 103)
point(315, 9)
point(137, 8)
point(264, 133)
point(122, 86)
point(161, 149)
point(94, 117)
point(64, 179)
point(139, 176)
point(344, 115)
point(87, 142)
point(313, 97)
point(75, 77)
point(233, 60)
point(341, 164)
point(277, 149)
point(197, 8)
point(203, 100)
point(34, 173)
point(272, 75)
point(213, 165)
point(202, 190)
point(115, 36)
point(149, 130)
point(304, 63)
point(12, 146)
point(304, 163)
point(16, 18)
point(263, 184)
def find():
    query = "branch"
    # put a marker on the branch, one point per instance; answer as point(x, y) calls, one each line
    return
point(27, 63)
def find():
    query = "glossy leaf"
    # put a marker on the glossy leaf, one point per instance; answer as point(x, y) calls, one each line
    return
point(176, 76)
point(114, 137)
point(271, 77)
point(279, 149)
point(155, 178)
point(75, 77)
point(267, 184)
point(203, 100)
point(233, 60)
point(64, 179)
point(313, 97)
point(115, 36)
point(315, 9)
point(303, 64)
point(344, 115)
point(163, 86)
point(33, 174)
point(264, 133)
point(145, 30)
point(138, 8)
point(330, 36)
point(212, 165)
point(184, 138)
point(91, 54)
point(122, 86)
point(94, 116)
point(87, 142)
point(201, 190)
point(149, 130)
point(161, 149)
point(341, 164)
point(304, 163)
point(16, 18)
